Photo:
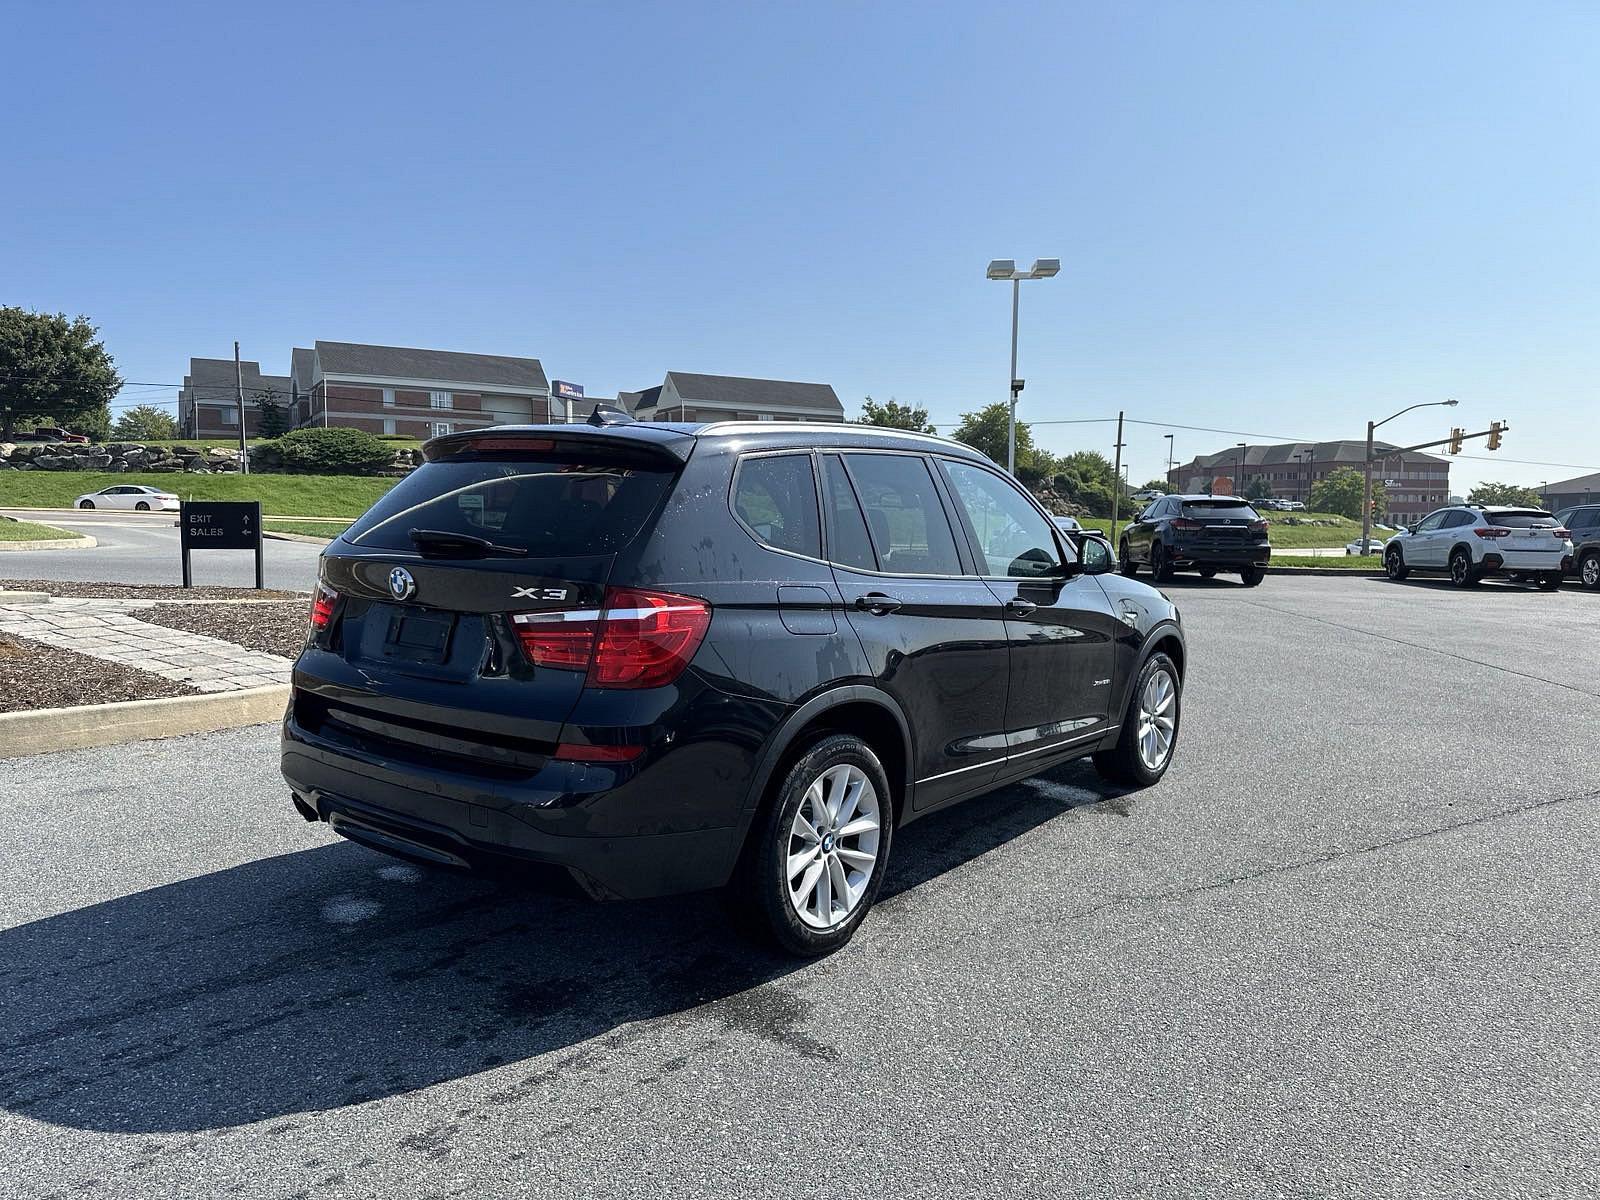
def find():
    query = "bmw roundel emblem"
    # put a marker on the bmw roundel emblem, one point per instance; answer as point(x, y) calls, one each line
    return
point(401, 585)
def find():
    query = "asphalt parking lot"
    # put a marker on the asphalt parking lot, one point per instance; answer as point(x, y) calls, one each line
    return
point(1346, 948)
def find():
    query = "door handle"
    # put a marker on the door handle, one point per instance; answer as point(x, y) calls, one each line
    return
point(1020, 606)
point(878, 603)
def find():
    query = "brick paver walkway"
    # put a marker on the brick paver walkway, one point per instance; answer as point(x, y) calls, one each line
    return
point(109, 629)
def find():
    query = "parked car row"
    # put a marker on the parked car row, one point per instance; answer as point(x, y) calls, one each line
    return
point(1269, 504)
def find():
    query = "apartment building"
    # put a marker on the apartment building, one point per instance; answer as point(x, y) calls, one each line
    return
point(1414, 483)
point(683, 396)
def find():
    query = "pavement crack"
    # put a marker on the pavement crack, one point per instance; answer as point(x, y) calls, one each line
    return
point(1331, 856)
point(1384, 637)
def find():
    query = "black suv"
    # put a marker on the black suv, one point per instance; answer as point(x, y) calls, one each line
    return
point(1583, 522)
point(672, 657)
point(1201, 533)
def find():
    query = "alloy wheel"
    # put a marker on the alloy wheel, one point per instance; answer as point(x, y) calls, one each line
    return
point(1459, 568)
point(833, 846)
point(1158, 704)
point(1591, 570)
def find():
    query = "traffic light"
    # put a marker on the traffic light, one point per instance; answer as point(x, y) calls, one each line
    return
point(1494, 434)
point(1455, 440)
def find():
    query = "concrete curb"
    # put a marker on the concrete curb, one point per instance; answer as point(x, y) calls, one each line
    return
point(44, 730)
point(1346, 572)
point(274, 535)
point(73, 543)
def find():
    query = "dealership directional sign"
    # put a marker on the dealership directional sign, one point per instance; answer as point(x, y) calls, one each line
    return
point(220, 525)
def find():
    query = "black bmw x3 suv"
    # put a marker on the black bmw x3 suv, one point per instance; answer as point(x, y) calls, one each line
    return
point(675, 657)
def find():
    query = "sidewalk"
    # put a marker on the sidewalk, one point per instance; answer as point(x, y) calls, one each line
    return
point(111, 631)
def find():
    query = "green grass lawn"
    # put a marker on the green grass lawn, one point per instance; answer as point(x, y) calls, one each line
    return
point(31, 531)
point(280, 495)
point(1337, 562)
point(1289, 537)
point(321, 529)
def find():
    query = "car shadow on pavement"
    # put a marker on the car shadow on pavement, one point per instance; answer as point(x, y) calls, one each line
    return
point(335, 976)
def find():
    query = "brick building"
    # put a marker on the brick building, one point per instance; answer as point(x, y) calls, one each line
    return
point(682, 396)
point(1414, 483)
point(418, 393)
point(208, 402)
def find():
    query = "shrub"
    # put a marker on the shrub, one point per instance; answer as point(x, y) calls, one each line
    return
point(327, 451)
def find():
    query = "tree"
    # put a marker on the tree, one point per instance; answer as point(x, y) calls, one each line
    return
point(895, 415)
point(1257, 488)
point(1339, 492)
point(985, 432)
point(53, 371)
point(1155, 485)
point(274, 418)
point(1506, 493)
point(145, 423)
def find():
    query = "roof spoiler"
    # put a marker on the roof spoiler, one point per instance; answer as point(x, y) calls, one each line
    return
point(629, 438)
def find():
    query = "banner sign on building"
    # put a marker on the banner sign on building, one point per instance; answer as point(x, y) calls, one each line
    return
point(569, 392)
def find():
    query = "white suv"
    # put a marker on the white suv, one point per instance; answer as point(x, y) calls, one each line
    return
point(1469, 541)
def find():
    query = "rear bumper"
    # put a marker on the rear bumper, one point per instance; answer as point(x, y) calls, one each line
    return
point(440, 816)
point(1220, 556)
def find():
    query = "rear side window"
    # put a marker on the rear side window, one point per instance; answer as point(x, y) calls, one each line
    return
point(1529, 519)
point(776, 497)
point(1229, 509)
point(904, 515)
point(848, 542)
point(550, 507)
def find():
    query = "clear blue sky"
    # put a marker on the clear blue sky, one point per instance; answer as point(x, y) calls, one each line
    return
point(1276, 218)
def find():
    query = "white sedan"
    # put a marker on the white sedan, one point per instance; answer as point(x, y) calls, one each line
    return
point(129, 495)
point(1374, 546)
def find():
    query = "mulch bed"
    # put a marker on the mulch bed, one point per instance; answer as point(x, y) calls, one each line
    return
point(144, 591)
point(33, 675)
point(271, 628)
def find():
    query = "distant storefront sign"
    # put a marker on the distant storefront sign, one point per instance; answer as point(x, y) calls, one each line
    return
point(566, 391)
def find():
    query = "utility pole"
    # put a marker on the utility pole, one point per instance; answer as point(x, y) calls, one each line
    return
point(238, 383)
point(1169, 459)
point(1238, 472)
point(1116, 478)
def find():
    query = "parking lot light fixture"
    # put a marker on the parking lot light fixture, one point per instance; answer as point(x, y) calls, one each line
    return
point(1006, 268)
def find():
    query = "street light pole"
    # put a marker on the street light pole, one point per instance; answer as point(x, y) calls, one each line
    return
point(1366, 475)
point(1006, 268)
point(1169, 458)
point(1011, 424)
point(1238, 472)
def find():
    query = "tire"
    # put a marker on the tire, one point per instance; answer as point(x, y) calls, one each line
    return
point(1518, 577)
point(85, 503)
point(760, 894)
point(1252, 576)
point(142, 506)
point(1208, 572)
point(1550, 581)
point(1160, 568)
point(1461, 572)
point(1124, 763)
point(1394, 564)
point(1589, 570)
point(1129, 567)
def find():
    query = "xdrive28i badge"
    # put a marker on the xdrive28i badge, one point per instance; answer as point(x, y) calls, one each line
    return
point(401, 585)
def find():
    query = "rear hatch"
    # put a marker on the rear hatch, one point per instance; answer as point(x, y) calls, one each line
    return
point(1515, 531)
point(1219, 521)
point(427, 601)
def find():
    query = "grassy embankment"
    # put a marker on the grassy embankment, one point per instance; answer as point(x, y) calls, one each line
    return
point(32, 531)
point(280, 495)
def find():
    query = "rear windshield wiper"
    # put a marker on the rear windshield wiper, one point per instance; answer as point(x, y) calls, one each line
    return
point(441, 541)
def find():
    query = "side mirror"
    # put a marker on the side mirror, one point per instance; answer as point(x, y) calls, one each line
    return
point(1411, 528)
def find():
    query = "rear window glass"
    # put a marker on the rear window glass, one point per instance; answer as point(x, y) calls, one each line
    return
point(550, 507)
point(1531, 519)
point(1218, 508)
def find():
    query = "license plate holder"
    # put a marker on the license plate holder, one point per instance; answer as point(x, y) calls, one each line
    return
point(419, 636)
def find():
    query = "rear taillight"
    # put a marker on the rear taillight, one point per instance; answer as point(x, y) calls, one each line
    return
point(1258, 527)
point(639, 639)
point(1564, 534)
point(1492, 531)
point(1186, 523)
point(557, 639)
point(322, 604)
point(579, 752)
